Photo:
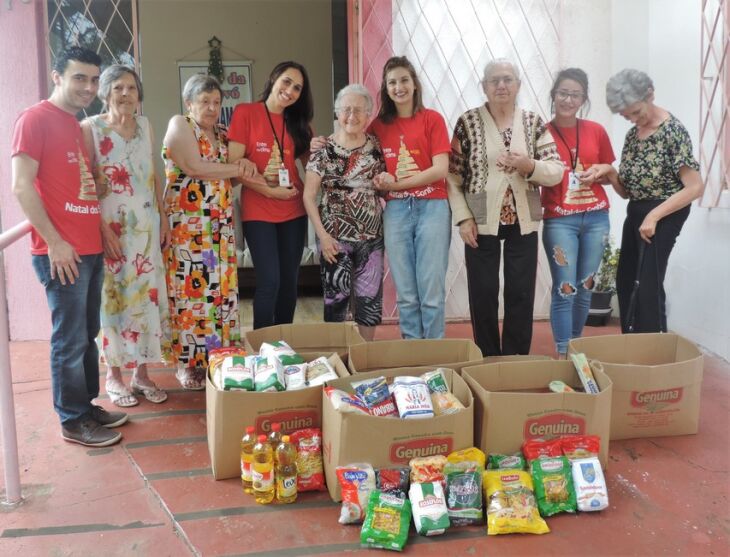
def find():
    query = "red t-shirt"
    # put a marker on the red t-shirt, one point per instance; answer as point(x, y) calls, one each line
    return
point(52, 137)
point(250, 127)
point(409, 145)
point(594, 147)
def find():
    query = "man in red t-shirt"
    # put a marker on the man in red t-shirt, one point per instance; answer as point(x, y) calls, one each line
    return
point(55, 188)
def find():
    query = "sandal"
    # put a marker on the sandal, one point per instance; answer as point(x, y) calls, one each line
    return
point(120, 395)
point(191, 379)
point(151, 392)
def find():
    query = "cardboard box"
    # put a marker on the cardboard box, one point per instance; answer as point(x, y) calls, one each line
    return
point(452, 353)
point(506, 413)
point(515, 358)
point(657, 379)
point(350, 438)
point(228, 413)
point(308, 337)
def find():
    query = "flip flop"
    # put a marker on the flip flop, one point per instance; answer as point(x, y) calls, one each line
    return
point(152, 392)
point(120, 395)
point(191, 380)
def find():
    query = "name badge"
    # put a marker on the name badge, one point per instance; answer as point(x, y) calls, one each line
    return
point(573, 181)
point(284, 178)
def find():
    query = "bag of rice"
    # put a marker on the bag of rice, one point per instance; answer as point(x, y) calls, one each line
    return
point(295, 376)
point(412, 397)
point(428, 504)
point(237, 373)
point(320, 371)
point(590, 484)
point(343, 402)
point(511, 506)
point(553, 482)
point(357, 482)
point(387, 521)
point(269, 375)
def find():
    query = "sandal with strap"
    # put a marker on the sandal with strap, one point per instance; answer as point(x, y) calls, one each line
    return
point(151, 392)
point(120, 395)
point(191, 379)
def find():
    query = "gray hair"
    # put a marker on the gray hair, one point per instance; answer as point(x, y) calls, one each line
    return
point(354, 89)
point(112, 74)
point(492, 65)
point(626, 88)
point(200, 83)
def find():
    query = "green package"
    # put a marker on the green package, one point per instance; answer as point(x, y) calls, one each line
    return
point(554, 491)
point(436, 381)
point(238, 373)
point(464, 492)
point(387, 521)
point(506, 462)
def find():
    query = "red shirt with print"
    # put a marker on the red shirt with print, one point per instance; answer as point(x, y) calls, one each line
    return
point(409, 145)
point(593, 147)
point(52, 137)
point(250, 126)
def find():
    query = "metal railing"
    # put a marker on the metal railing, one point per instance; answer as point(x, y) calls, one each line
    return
point(11, 465)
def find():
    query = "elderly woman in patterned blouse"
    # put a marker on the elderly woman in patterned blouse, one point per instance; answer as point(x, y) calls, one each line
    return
point(660, 177)
point(501, 154)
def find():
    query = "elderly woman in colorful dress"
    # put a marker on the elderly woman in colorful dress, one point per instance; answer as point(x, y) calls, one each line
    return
point(134, 311)
point(501, 155)
point(201, 264)
point(348, 220)
point(660, 177)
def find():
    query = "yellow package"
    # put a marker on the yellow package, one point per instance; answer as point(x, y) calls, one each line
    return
point(472, 454)
point(511, 504)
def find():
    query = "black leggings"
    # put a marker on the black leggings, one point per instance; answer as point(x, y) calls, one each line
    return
point(650, 313)
point(276, 251)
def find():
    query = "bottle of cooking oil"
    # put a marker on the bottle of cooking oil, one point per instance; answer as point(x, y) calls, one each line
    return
point(286, 471)
point(275, 438)
point(262, 471)
point(247, 443)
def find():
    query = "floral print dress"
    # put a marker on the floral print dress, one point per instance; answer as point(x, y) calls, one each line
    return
point(201, 264)
point(134, 311)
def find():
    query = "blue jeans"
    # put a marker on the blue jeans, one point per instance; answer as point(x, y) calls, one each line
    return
point(574, 246)
point(76, 320)
point(417, 239)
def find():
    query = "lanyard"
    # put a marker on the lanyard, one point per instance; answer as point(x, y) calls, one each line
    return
point(573, 161)
point(280, 145)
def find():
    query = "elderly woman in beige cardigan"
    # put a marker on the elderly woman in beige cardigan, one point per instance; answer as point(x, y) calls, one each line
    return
point(501, 155)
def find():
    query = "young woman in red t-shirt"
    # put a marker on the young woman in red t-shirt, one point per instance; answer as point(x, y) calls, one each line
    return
point(273, 133)
point(576, 223)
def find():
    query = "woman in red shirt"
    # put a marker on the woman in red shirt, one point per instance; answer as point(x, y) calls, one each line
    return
point(273, 133)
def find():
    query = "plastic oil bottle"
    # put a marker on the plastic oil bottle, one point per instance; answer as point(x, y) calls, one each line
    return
point(286, 471)
point(262, 471)
point(275, 438)
point(247, 443)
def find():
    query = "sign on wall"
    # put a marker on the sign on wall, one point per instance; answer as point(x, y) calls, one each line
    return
point(236, 83)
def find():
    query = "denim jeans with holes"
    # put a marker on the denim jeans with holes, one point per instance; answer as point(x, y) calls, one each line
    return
point(75, 316)
point(574, 247)
point(417, 239)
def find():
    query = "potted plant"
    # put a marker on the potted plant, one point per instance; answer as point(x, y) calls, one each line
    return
point(605, 288)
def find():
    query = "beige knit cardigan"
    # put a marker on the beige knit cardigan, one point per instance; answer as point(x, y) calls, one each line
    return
point(476, 187)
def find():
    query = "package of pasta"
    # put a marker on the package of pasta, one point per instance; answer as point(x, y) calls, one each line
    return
point(580, 446)
point(343, 402)
point(281, 351)
point(445, 403)
point(320, 371)
point(428, 504)
point(387, 521)
point(590, 484)
point(310, 473)
point(357, 481)
point(375, 395)
point(506, 462)
point(428, 469)
point(541, 448)
point(237, 373)
point(393, 480)
point(436, 381)
point(553, 480)
point(511, 505)
point(412, 398)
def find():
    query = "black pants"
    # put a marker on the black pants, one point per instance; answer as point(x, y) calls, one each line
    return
point(482, 273)
point(276, 251)
point(650, 314)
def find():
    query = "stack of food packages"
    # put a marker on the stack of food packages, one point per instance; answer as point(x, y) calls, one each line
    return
point(277, 367)
point(407, 397)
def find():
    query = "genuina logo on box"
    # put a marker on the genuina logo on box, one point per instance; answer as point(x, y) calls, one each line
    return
point(554, 425)
point(290, 421)
point(654, 400)
point(431, 446)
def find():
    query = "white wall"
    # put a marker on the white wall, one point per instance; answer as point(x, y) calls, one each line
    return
point(662, 37)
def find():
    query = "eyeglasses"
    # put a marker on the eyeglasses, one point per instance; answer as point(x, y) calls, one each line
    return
point(495, 81)
point(351, 110)
point(565, 95)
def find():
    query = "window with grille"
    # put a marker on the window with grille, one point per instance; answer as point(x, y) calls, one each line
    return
point(107, 27)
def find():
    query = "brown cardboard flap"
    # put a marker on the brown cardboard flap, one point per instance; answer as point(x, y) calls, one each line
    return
point(385, 354)
point(308, 337)
point(515, 358)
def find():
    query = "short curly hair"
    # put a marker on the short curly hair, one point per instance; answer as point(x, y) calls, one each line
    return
point(627, 87)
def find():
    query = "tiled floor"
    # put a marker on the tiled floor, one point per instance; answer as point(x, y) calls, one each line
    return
point(154, 495)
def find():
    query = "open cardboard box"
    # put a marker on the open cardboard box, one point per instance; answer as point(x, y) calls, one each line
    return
point(657, 381)
point(452, 353)
point(228, 413)
point(308, 337)
point(508, 411)
point(349, 438)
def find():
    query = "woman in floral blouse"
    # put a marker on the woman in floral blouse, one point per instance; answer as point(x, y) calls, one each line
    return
point(660, 177)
